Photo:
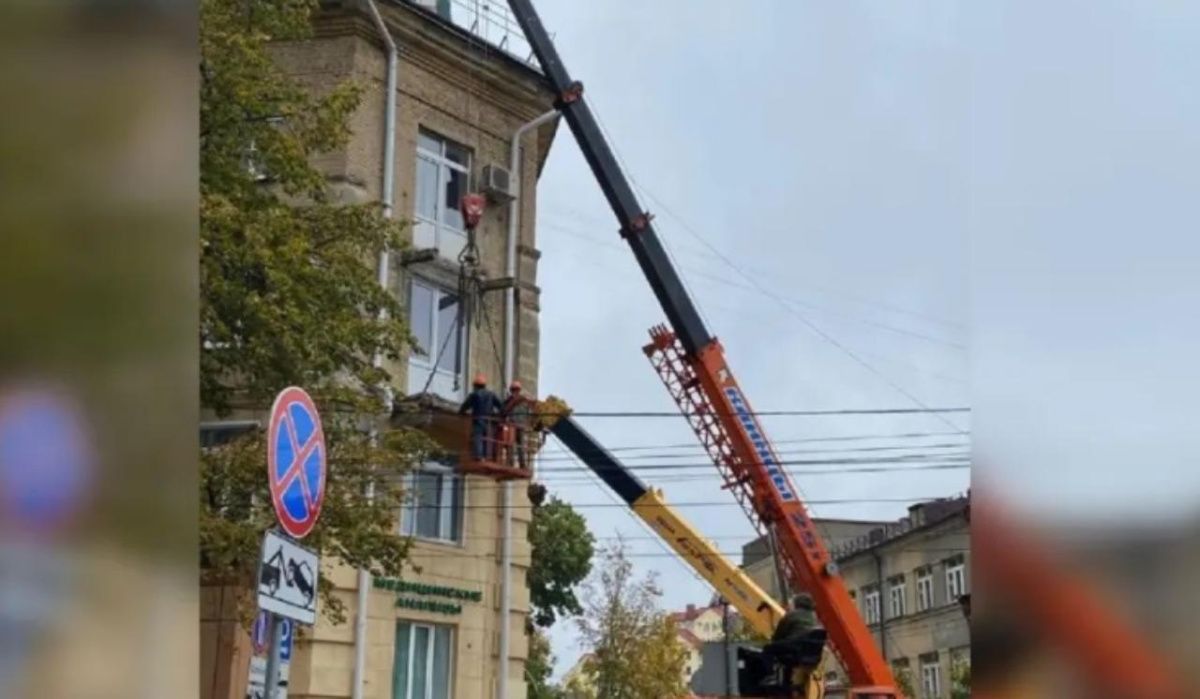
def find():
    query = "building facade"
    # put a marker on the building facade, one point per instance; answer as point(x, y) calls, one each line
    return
point(435, 633)
point(908, 579)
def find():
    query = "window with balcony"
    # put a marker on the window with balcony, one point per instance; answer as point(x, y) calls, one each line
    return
point(437, 362)
point(442, 178)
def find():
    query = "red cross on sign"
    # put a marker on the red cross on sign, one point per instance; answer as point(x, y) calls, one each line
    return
point(296, 461)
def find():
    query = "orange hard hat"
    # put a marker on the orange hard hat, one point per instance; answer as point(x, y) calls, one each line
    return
point(480, 379)
point(514, 386)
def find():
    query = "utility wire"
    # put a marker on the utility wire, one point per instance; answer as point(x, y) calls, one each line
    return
point(801, 440)
point(809, 324)
point(576, 215)
point(739, 285)
point(772, 413)
point(692, 454)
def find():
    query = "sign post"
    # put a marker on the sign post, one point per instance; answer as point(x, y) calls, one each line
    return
point(288, 572)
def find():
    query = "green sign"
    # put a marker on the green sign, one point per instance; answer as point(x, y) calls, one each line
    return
point(425, 590)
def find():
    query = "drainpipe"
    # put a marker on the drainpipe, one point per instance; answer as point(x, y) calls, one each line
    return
point(382, 272)
point(510, 373)
point(883, 607)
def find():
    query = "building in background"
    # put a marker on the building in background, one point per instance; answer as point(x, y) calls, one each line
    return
point(436, 633)
point(908, 579)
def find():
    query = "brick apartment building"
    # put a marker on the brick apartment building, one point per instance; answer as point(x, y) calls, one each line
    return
point(908, 578)
point(435, 634)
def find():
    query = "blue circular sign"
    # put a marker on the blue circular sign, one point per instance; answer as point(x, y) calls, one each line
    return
point(45, 460)
point(296, 457)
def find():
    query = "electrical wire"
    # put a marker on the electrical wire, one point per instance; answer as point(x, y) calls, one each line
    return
point(576, 215)
point(755, 290)
point(799, 316)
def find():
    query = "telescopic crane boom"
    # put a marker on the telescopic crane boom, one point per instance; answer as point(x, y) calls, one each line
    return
point(755, 606)
point(691, 362)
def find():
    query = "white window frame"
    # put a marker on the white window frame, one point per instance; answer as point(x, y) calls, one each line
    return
point(898, 598)
point(448, 240)
point(423, 362)
point(451, 520)
point(429, 658)
point(931, 679)
point(924, 591)
point(956, 580)
point(871, 606)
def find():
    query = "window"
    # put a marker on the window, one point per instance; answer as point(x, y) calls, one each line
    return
point(924, 589)
point(871, 605)
point(897, 598)
point(421, 666)
point(438, 359)
point(956, 580)
point(931, 677)
point(443, 170)
point(434, 507)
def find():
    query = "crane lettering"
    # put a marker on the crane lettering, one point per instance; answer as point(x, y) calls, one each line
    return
point(760, 443)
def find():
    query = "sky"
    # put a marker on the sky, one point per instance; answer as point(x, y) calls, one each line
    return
point(888, 205)
point(821, 151)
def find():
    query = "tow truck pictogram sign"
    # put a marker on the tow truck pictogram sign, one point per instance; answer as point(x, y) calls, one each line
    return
point(287, 579)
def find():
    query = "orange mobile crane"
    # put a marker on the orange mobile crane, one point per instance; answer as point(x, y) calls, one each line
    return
point(691, 362)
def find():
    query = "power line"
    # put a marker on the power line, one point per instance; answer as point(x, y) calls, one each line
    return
point(621, 505)
point(808, 323)
point(738, 285)
point(909, 459)
point(575, 215)
point(692, 454)
point(775, 413)
point(801, 440)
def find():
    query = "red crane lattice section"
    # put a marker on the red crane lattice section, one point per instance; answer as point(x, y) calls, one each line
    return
point(705, 390)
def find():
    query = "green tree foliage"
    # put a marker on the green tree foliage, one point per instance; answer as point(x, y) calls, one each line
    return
point(904, 679)
point(634, 646)
point(289, 296)
point(562, 549)
point(960, 679)
point(538, 668)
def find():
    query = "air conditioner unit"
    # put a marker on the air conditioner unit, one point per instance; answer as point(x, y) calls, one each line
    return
point(496, 183)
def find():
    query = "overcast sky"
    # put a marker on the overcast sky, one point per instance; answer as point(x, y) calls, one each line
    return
point(905, 180)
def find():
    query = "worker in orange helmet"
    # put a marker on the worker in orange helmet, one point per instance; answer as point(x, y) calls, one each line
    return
point(483, 405)
point(517, 411)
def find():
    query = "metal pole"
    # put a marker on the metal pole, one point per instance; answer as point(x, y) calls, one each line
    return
point(730, 689)
point(387, 195)
point(510, 373)
point(271, 676)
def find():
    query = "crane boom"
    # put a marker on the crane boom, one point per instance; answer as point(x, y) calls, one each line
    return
point(755, 605)
point(692, 363)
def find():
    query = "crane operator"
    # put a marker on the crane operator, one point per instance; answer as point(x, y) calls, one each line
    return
point(797, 643)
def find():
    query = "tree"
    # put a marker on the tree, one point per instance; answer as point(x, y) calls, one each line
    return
point(634, 646)
point(538, 668)
point(904, 679)
point(562, 549)
point(289, 296)
point(960, 678)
